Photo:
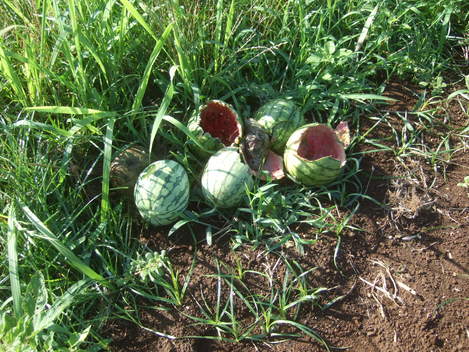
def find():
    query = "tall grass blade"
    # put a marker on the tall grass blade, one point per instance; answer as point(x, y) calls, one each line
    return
point(229, 23)
point(42, 127)
point(78, 52)
point(308, 331)
point(131, 8)
point(218, 26)
point(364, 96)
point(106, 169)
point(68, 110)
point(148, 69)
point(11, 76)
point(184, 129)
point(13, 262)
point(18, 12)
point(87, 44)
point(168, 96)
point(184, 60)
point(73, 260)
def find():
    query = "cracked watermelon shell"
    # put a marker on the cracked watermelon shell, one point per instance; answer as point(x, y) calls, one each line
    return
point(225, 179)
point(280, 118)
point(217, 125)
point(162, 192)
point(314, 155)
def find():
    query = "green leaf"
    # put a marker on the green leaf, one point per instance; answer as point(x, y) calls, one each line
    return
point(163, 107)
point(45, 320)
point(330, 47)
point(308, 331)
point(364, 96)
point(462, 92)
point(10, 74)
point(42, 126)
point(148, 69)
point(73, 260)
point(131, 8)
point(184, 129)
point(68, 110)
point(13, 263)
point(36, 294)
point(106, 169)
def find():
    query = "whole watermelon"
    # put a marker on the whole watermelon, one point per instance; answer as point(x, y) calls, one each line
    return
point(314, 156)
point(279, 117)
point(225, 178)
point(162, 192)
point(215, 125)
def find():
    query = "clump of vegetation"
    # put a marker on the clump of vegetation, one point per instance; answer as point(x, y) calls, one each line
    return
point(82, 80)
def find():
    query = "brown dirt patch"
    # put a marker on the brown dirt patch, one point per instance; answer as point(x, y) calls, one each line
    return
point(403, 278)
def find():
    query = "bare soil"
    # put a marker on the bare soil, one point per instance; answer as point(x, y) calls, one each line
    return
point(404, 276)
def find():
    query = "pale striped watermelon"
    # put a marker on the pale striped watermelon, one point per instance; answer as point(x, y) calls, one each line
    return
point(314, 155)
point(225, 179)
point(215, 126)
point(280, 118)
point(162, 192)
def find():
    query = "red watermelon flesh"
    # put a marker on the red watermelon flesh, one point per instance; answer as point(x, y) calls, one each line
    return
point(274, 166)
point(272, 169)
point(320, 141)
point(220, 122)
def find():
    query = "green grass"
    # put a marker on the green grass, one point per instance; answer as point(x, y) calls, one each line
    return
point(80, 79)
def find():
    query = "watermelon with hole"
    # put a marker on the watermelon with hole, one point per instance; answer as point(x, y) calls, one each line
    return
point(314, 155)
point(162, 192)
point(216, 125)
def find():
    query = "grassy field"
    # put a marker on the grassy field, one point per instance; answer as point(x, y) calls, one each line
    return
point(82, 80)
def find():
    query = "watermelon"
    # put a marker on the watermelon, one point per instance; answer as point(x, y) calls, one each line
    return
point(126, 167)
point(215, 126)
point(343, 133)
point(272, 169)
point(225, 178)
point(255, 145)
point(280, 118)
point(162, 192)
point(255, 149)
point(314, 155)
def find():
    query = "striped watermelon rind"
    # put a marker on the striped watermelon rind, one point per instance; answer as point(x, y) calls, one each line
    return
point(280, 118)
point(323, 169)
point(229, 129)
point(225, 179)
point(162, 192)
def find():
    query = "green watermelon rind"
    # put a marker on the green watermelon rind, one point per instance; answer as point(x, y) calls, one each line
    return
point(318, 172)
point(161, 203)
point(280, 118)
point(225, 179)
